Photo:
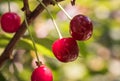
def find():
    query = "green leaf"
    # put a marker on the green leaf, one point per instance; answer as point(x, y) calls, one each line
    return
point(4, 39)
point(27, 44)
point(2, 78)
point(24, 75)
point(83, 49)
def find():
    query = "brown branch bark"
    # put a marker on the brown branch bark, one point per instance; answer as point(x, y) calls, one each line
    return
point(26, 7)
point(30, 17)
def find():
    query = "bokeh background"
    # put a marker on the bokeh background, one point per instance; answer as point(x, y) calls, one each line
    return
point(99, 57)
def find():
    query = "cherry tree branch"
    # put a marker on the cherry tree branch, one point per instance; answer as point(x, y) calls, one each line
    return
point(30, 17)
point(26, 7)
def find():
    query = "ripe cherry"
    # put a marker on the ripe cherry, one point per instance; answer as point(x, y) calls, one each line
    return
point(10, 22)
point(42, 73)
point(65, 49)
point(81, 27)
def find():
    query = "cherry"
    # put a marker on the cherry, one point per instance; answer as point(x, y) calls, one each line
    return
point(42, 73)
point(81, 27)
point(10, 22)
point(65, 49)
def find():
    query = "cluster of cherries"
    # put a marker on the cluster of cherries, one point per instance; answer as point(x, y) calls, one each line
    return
point(64, 49)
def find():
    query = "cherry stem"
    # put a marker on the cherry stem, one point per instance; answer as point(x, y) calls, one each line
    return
point(53, 20)
point(34, 46)
point(69, 17)
point(9, 6)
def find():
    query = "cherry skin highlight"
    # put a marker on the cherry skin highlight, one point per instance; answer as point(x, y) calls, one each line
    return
point(42, 73)
point(65, 49)
point(10, 22)
point(81, 27)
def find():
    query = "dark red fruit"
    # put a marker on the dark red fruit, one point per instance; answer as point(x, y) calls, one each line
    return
point(65, 49)
point(10, 22)
point(42, 73)
point(81, 27)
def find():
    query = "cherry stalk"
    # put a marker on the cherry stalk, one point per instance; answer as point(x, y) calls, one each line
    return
point(53, 20)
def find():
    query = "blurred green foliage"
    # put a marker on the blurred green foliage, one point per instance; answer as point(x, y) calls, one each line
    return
point(98, 58)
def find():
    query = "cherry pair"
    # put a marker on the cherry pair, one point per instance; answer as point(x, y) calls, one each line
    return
point(66, 49)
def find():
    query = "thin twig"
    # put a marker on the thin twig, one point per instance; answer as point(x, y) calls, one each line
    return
point(26, 7)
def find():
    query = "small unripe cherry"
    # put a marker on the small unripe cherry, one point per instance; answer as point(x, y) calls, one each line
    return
point(42, 73)
point(65, 49)
point(10, 22)
point(81, 27)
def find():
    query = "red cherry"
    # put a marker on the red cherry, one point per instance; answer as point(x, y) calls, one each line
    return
point(10, 22)
point(42, 73)
point(65, 49)
point(81, 27)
